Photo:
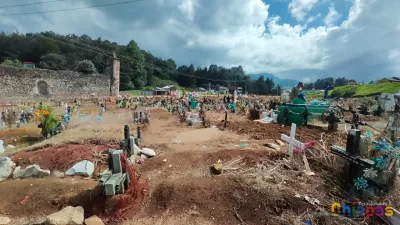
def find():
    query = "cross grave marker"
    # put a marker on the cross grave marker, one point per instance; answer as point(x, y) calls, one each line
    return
point(292, 141)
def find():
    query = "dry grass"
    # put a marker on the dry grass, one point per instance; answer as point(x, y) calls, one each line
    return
point(79, 131)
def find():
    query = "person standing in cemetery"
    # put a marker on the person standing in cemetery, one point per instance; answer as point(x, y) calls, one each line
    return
point(300, 99)
point(232, 106)
point(295, 91)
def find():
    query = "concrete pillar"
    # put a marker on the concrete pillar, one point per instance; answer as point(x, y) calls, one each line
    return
point(113, 69)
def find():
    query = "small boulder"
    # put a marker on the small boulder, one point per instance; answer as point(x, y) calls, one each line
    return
point(1, 147)
point(10, 147)
point(58, 174)
point(148, 152)
point(83, 168)
point(67, 216)
point(30, 171)
point(94, 220)
point(6, 167)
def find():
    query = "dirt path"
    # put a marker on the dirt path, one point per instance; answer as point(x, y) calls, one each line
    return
point(183, 191)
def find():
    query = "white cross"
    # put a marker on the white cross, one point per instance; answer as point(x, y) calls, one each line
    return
point(292, 141)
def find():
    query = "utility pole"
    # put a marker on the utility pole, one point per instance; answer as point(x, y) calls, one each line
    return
point(209, 84)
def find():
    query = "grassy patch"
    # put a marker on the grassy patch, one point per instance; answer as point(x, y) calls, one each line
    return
point(132, 92)
point(314, 94)
point(364, 90)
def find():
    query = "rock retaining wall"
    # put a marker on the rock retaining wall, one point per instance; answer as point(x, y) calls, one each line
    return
point(36, 84)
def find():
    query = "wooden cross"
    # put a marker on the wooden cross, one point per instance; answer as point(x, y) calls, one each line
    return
point(292, 141)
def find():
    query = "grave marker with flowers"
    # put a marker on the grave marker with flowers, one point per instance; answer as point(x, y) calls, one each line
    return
point(373, 171)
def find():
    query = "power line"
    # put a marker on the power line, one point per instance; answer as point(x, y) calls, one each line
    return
point(126, 59)
point(71, 9)
point(35, 3)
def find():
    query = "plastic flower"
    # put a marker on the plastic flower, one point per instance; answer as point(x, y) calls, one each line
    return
point(360, 183)
point(380, 162)
point(381, 145)
point(370, 173)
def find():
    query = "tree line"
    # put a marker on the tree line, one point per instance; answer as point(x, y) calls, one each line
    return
point(320, 84)
point(139, 68)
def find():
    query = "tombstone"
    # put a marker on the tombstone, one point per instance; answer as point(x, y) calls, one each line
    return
point(115, 180)
point(351, 153)
point(126, 132)
point(139, 136)
point(292, 141)
point(226, 118)
point(387, 102)
point(364, 143)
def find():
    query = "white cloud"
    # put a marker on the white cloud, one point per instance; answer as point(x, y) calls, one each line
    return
point(332, 17)
point(236, 32)
point(313, 18)
point(300, 8)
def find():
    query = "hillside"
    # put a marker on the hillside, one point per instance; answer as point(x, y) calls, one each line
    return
point(363, 90)
point(277, 80)
point(139, 68)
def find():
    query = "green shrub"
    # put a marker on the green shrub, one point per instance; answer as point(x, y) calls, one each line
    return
point(86, 66)
point(14, 63)
point(53, 62)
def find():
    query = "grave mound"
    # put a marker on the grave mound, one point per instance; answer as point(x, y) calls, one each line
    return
point(60, 157)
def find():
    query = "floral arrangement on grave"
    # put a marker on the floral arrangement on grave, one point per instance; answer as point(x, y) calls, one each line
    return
point(47, 119)
point(383, 153)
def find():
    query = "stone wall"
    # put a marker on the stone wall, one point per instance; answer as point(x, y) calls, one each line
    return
point(34, 84)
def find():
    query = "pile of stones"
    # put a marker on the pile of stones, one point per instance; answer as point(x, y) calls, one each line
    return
point(8, 169)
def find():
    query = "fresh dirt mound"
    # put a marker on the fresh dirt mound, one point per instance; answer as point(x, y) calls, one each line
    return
point(113, 209)
point(46, 196)
point(14, 136)
point(59, 157)
point(183, 161)
point(259, 131)
point(228, 200)
point(364, 118)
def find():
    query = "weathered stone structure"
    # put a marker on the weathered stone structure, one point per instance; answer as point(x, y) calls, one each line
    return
point(113, 68)
point(37, 84)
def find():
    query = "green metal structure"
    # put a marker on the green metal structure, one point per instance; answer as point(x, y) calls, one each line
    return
point(296, 112)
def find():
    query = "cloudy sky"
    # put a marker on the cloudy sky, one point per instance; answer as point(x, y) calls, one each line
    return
point(302, 39)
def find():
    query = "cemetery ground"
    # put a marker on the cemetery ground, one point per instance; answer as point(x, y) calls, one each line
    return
point(259, 184)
